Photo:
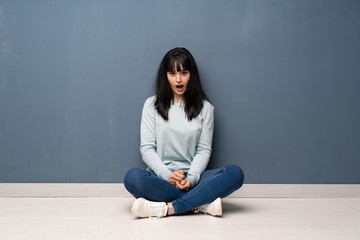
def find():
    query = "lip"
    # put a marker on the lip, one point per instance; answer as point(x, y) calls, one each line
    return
point(179, 87)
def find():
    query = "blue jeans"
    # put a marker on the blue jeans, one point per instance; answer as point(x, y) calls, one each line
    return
point(213, 183)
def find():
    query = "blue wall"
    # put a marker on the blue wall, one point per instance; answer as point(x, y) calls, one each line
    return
point(284, 76)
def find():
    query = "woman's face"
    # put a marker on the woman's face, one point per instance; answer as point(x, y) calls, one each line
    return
point(178, 80)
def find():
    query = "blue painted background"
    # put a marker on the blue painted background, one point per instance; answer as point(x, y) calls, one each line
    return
point(283, 75)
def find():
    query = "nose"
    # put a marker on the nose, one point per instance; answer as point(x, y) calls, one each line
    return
point(178, 77)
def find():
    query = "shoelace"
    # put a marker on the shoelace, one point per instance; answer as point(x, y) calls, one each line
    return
point(155, 211)
point(199, 209)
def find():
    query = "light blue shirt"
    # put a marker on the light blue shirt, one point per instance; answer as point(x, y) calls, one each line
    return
point(178, 143)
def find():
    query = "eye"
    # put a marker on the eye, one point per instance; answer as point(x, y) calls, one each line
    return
point(171, 73)
point(185, 73)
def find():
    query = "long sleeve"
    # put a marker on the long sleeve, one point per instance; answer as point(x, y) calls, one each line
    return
point(203, 148)
point(148, 145)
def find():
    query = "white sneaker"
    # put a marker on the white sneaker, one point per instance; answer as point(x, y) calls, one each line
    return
point(214, 208)
point(143, 208)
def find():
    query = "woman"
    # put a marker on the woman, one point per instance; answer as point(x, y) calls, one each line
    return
point(176, 136)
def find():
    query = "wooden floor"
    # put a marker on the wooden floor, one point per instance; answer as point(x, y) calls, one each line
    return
point(244, 218)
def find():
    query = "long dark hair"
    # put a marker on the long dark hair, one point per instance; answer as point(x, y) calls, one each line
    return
point(194, 94)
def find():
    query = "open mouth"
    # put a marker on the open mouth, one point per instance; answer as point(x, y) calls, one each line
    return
point(179, 87)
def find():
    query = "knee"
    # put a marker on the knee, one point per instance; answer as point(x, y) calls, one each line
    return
point(237, 175)
point(131, 177)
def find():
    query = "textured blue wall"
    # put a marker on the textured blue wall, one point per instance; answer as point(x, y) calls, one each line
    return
point(284, 76)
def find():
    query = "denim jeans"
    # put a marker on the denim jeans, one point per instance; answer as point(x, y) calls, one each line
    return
point(213, 183)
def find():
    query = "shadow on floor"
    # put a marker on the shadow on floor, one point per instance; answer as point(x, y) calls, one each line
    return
point(232, 207)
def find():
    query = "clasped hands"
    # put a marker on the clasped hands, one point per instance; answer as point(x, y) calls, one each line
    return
point(178, 179)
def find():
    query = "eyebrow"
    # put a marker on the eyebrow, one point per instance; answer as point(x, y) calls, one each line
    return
point(184, 70)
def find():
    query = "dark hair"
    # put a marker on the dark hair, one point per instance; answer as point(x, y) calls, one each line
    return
point(194, 94)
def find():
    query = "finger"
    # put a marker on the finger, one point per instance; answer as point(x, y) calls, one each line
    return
point(175, 178)
point(179, 174)
point(179, 186)
point(184, 187)
point(186, 184)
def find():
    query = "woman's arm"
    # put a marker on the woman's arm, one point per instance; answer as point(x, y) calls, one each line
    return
point(148, 141)
point(203, 149)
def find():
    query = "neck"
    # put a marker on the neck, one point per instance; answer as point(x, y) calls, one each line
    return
point(178, 99)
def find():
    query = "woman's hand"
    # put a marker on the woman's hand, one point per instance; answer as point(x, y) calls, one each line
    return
point(177, 177)
point(184, 185)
